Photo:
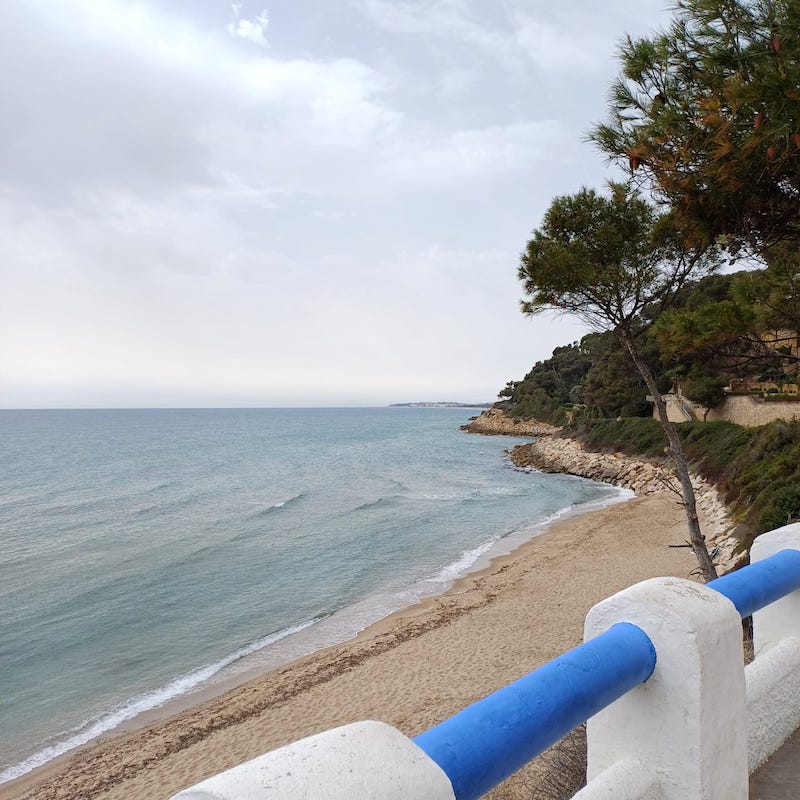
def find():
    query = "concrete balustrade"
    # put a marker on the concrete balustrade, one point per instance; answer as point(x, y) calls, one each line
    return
point(362, 760)
point(773, 679)
point(671, 711)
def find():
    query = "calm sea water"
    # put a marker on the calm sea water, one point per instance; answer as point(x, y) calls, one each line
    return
point(144, 553)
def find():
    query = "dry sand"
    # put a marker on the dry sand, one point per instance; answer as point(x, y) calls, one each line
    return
point(412, 670)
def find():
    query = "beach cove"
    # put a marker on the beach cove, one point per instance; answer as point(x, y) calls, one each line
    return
point(151, 559)
point(411, 670)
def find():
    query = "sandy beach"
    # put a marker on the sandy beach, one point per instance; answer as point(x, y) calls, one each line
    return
point(411, 670)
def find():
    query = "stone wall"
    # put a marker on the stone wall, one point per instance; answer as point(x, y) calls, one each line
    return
point(752, 412)
point(740, 409)
point(554, 454)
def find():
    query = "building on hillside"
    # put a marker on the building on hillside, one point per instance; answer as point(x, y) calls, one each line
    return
point(750, 401)
point(755, 406)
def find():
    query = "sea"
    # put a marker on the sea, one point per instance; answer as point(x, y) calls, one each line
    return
point(146, 555)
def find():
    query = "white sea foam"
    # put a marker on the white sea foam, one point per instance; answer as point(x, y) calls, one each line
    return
point(184, 684)
point(230, 518)
point(505, 543)
point(463, 564)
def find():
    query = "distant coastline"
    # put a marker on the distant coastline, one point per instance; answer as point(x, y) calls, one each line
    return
point(440, 404)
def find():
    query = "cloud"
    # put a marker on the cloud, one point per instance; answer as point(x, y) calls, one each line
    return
point(472, 154)
point(452, 22)
point(555, 46)
point(333, 211)
point(251, 30)
point(151, 104)
point(551, 38)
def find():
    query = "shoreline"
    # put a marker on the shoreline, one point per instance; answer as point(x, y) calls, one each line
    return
point(170, 754)
point(551, 453)
point(308, 639)
point(194, 721)
point(566, 455)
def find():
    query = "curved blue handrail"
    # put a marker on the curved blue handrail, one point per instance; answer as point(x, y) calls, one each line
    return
point(753, 587)
point(489, 740)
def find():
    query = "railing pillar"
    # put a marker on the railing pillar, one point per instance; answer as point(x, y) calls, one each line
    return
point(781, 619)
point(362, 760)
point(773, 679)
point(687, 723)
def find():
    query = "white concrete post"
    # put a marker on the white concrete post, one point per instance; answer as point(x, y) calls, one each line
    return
point(781, 619)
point(773, 679)
point(687, 723)
point(365, 760)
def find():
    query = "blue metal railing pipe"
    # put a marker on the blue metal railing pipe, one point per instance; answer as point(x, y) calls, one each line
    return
point(753, 587)
point(489, 740)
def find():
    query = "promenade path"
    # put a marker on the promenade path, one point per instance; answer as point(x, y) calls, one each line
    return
point(779, 778)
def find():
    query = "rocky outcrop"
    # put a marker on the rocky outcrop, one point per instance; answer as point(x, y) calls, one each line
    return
point(555, 454)
point(494, 422)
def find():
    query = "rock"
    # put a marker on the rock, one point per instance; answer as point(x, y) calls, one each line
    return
point(494, 422)
point(556, 454)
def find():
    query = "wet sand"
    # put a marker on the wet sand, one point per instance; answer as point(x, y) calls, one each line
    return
point(411, 670)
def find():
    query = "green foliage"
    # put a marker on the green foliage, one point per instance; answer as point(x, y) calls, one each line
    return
point(714, 446)
point(606, 259)
point(703, 386)
point(552, 385)
point(784, 508)
point(707, 115)
point(587, 247)
point(613, 386)
point(720, 328)
point(634, 435)
point(746, 327)
point(774, 293)
point(595, 373)
point(767, 476)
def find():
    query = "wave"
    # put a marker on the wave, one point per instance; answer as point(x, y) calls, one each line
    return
point(463, 564)
point(616, 495)
point(381, 502)
point(442, 496)
point(160, 487)
point(183, 684)
point(278, 506)
point(176, 504)
point(78, 506)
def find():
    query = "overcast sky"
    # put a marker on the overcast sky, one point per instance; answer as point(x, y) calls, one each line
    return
point(308, 203)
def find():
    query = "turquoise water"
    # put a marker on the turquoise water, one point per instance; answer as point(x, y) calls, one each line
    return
point(144, 552)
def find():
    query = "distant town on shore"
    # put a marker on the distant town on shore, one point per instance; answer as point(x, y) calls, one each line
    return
point(440, 404)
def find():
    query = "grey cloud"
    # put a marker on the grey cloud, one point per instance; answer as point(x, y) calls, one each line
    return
point(161, 114)
point(472, 154)
point(251, 30)
point(189, 212)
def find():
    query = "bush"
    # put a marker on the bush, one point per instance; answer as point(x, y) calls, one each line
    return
point(634, 435)
point(756, 469)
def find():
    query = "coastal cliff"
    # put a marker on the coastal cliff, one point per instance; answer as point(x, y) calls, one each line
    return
point(557, 454)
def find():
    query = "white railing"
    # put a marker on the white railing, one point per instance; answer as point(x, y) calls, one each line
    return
point(672, 712)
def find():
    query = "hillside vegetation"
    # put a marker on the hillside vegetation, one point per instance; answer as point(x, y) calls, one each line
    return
point(702, 120)
point(756, 469)
point(722, 328)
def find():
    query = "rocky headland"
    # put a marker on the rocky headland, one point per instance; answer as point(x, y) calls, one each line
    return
point(493, 422)
point(559, 454)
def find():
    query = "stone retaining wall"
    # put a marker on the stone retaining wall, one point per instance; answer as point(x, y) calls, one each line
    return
point(555, 454)
point(751, 412)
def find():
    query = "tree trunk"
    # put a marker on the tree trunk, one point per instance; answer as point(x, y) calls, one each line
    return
point(696, 537)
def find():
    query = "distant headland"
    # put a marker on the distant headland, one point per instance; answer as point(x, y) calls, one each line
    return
point(440, 404)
